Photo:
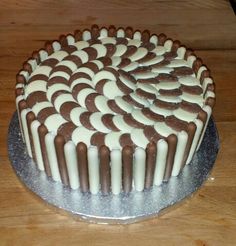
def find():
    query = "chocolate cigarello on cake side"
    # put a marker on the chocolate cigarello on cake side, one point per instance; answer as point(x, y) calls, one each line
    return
point(113, 110)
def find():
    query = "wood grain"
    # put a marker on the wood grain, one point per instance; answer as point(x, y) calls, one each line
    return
point(207, 218)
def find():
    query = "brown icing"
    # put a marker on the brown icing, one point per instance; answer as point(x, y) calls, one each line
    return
point(105, 175)
point(42, 131)
point(172, 142)
point(151, 152)
point(127, 168)
point(81, 150)
point(59, 142)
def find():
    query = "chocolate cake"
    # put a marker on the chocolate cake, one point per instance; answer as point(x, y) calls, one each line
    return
point(113, 110)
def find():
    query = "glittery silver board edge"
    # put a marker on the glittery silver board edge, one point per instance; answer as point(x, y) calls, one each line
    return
point(114, 209)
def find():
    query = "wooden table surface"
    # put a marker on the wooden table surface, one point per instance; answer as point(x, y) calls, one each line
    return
point(209, 27)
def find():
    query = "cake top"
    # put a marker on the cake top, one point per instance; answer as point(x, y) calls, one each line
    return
point(115, 87)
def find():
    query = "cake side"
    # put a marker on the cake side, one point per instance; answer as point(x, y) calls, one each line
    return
point(113, 109)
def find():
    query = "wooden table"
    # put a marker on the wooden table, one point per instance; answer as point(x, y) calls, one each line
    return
point(208, 218)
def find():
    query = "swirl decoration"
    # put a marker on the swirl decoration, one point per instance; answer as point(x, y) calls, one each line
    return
point(118, 90)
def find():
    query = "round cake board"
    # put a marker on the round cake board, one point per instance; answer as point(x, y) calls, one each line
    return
point(114, 209)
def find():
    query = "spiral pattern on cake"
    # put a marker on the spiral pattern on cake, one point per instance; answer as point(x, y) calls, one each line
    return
point(116, 88)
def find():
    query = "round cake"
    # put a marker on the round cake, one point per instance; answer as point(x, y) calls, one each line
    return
point(113, 110)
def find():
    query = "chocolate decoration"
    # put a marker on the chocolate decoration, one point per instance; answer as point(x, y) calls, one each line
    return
point(42, 131)
point(20, 79)
point(197, 64)
point(145, 94)
point(151, 152)
point(57, 80)
point(129, 32)
point(66, 130)
point(49, 47)
point(78, 35)
point(161, 39)
point(111, 49)
point(190, 107)
point(176, 45)
point(61, 68)
point(36, 56)
point(205, 74)
point(63, 41)
point(173, 92)
point(57, 94)
point(141, 70)
point(170, 55)
point(59, 142)
point(128, 118)
point(91, 66)
point(114, 107)
point(194, 90)
point(27, 67)
point(167, 77)
point(37, 77)
point(151, 115)
point(182, 71)
point(66, 109)
point(149, 46)
point(85, 121)
point(149, 56)
point(145, 36)
point(30, 117)
point(105, 60)
point(36, 97)
point(51, 62)
point(120, 40)
point(98, 139)
point(189, 52)
point(125, 140)
point(81, 150)
point(108, 122)
point(74, 59)
point(92, 52)
point(176, 124)
point(172, 142)
point(210, 101)
point(124, 62)
point(79, 87)
point(130, 100)
point(127, 168)
point(69, 49)
point(90, 102)
point(94, 32)
point(111, 31)
point(104, 168)
point(19, 92)
point(22, 105)
point(99, 86)
point(151, 134)
point(165, 105)
point(78, 75)
point(127, 76)
point(191, 132)
point(45, 113)
point(130, 51)
point(148, 81)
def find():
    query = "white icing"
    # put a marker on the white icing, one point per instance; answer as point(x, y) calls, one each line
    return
point(61, 99)
point(37, 85)
point(25, 131)
point(52, 157)
point(116, 171)
point(96, 122)
point(71, 164)
point(179, 153)
point(138, 137)
point(82, 134)
point(112, 140)
point(53, 122)
point(75, 115)
point(41, 105)
point(162, 150)
point(139, 168)
point(81, 45)
point(37, 148)
point(82, 55)
point(111, 90)
point(54, 88)
point(93, 170)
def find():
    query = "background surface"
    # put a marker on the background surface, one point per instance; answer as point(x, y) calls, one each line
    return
point(209, 27)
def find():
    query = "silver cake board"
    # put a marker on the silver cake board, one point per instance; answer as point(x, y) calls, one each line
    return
point(114, 209)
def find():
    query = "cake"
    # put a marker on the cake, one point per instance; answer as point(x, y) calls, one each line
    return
point(112, 110)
